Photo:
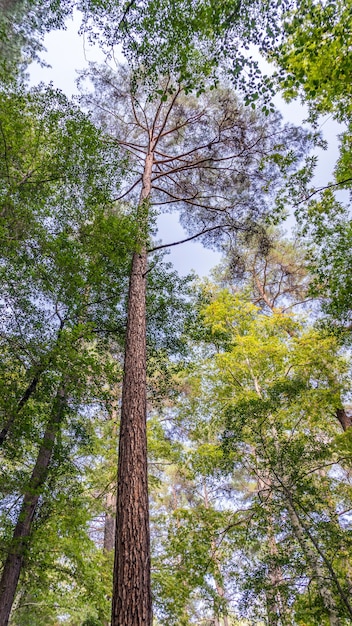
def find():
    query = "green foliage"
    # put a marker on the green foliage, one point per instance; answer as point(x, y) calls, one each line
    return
point(244, 443)
point(65, 254)
point(186, 39)
point(328, 229)
point(315, 63)
point(257, 416)
point(314, 56)
point(23, 24)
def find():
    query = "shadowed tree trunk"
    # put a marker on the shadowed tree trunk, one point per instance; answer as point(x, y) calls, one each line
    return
point(110, 513)
point(109, 531)
point(132, 603)
point(344, 419)
point(316, 567)
point(18, 546)
point(30, 390)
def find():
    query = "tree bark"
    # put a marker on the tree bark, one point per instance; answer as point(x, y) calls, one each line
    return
point(132, 604)
point(21, 535)
point(275, 577)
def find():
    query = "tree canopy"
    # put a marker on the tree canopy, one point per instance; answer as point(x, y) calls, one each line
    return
point(224, 403)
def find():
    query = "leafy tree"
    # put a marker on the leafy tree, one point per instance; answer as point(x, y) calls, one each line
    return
point(263, 433)
point(23, 24)
point(177, 146)
point(272, 268)
point(314, 62)
point(314, 56)
point(63, 288)
point(283, 275)
point(327, 228)
point(189, 40)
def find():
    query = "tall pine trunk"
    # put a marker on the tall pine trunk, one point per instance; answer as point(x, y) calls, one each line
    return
point(131, 604)
point(22, 532)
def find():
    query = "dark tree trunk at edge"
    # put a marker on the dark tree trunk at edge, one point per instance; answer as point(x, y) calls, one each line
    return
point(17, 550)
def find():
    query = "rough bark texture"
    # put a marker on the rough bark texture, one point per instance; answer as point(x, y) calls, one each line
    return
point(17, 550)
point(132, 605)
point(131, 599)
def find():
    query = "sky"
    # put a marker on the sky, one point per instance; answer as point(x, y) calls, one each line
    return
point(67, 52)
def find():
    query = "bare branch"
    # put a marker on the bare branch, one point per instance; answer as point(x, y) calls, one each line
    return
point(319, 189)
point(177, 243)
point(171, 106)
point(128, 190)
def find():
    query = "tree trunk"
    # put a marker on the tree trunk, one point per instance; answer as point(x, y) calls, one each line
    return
point(27, 394)
point(132, 604)
point(110, 522)
point(217, 574)
point(110, 513)
point(316, 567)
point(344, 419)
point(275, 577)
point(30, 390)
point(18, 546)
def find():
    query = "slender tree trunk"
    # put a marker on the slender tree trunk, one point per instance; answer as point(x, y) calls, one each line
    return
point(131, 604)
point(27, 394)
point(18, 546)
point(110, 513)
point(218, 577)
point(221, 592)
point(110, 523)
point(272, 594)
point(109, 532)
point(316, 567)
point(276, 607)
point(30, 390)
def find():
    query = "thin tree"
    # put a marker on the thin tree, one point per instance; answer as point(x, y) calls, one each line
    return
point(17, 550)
point(278, 272)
